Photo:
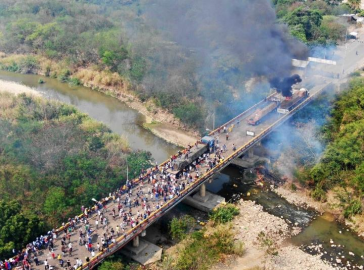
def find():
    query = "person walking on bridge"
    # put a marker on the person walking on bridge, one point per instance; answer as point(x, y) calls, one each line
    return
point(224, 148)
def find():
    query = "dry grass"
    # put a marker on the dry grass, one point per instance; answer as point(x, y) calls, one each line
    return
point(55, 67)
point(9, 59)
point(7, 102)
point(358, 221)
point(90, 126)
point(102, 79)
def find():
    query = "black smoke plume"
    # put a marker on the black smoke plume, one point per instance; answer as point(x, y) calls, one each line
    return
point(245, 32)
point(284, 85)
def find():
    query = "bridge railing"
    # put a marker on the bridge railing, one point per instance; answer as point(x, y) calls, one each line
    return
point(248, 111)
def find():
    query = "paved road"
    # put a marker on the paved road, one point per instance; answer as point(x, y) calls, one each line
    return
point(349, 56)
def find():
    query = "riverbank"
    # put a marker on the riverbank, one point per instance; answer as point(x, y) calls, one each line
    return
point(301, 197)
point(16, 88)
point(169, 128)
point(264, 237)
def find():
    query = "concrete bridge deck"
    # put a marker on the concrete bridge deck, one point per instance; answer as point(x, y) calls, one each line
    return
point(238, 137)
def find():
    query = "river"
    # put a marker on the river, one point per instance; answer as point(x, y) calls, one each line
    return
point(333, 238)
point(321, 234)
point(120, 118)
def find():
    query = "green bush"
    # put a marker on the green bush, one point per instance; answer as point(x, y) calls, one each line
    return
point(179, 227)
point(14, 67)
point(138, 69)
point(204, 249)
point(74, 82)
point(111, 265)
point(29, 64)
point(224, 214)
point(64, 75)
point(318, 194)
point(18, 227)
point(353, 208)
point(355, 74)
point(190, 113)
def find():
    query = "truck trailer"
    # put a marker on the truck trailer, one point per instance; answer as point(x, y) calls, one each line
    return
point(289, 103)
point(258, 116)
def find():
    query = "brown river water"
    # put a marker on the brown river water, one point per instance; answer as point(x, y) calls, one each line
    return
point(120, 118)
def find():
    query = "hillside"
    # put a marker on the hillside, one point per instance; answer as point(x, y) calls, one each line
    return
point(342, 163)
point(199, 63)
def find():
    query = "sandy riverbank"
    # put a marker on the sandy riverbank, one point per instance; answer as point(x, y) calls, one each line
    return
point(249, 224)
point(172, 134)
point(159, 121)
point(16, 88)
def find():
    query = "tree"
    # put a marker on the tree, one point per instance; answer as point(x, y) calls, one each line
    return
point(354, 4)
point(17, 228)
point(331, 29)
point(308, 19)
point(55, 202)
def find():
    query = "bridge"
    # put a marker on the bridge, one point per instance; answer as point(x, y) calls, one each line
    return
point(130, 231)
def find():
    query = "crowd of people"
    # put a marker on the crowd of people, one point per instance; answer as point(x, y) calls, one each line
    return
point(122, 210)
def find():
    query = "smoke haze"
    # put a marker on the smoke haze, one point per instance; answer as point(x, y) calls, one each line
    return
point(240, 36)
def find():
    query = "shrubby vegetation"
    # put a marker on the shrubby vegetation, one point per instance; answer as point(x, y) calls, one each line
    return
point(224, 214)
point(111, 265)
point(53, 159)
point(267, 243)
point(314, 22)
point(18, 227)
point(342, 162)
point(116, 45)
point(101, 44)
point(203, 248)
point(180, 227)
point(343, 159)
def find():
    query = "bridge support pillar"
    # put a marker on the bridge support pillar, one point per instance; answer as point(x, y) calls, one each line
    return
point(144, 253)
point(203, 190)
point(136, 241)
point(250, 153)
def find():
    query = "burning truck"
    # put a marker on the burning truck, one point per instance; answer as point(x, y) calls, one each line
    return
point(291, 102)
point(284, 103)
point(292, 97)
